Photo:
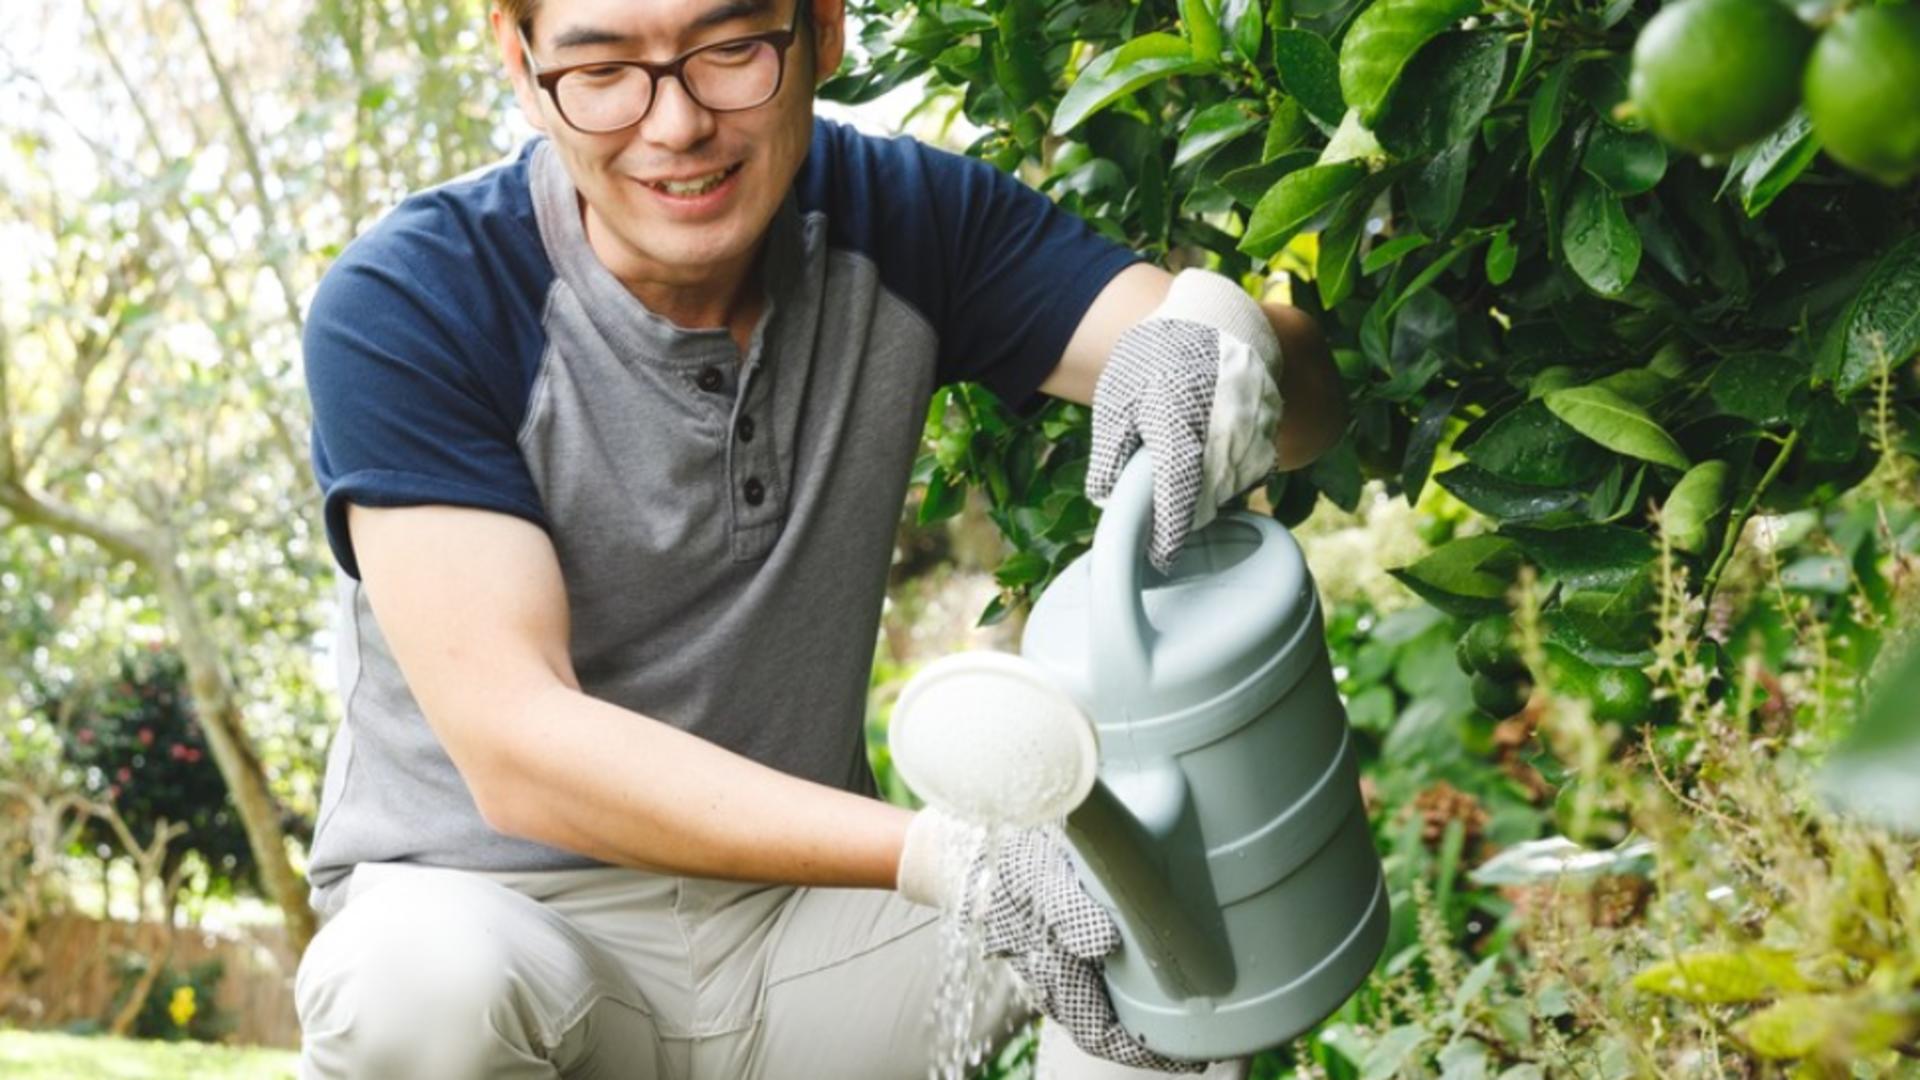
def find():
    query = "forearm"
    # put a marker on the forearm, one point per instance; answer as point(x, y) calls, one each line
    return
point(587, 776)
point(1314, 415)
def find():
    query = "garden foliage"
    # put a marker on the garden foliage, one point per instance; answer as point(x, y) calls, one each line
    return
point(1601, 358)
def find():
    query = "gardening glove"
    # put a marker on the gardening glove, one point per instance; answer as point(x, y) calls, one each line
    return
point(1197, 383)
point(1036, 915)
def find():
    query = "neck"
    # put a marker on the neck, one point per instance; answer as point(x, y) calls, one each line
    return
point(723, 295)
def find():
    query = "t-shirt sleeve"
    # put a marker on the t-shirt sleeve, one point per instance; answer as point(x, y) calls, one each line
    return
point(1020, 273)
point(411, 405)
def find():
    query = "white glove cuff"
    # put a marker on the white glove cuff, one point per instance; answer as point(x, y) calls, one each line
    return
point(931, 870)
point(1246, 411)
point(1203, 296)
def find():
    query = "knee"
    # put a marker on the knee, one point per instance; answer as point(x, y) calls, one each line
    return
point(410, 982)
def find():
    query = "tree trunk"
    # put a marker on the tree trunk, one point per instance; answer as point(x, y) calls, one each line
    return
point(220, 718)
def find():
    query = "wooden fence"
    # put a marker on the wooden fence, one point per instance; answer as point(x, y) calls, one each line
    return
point(77, 977)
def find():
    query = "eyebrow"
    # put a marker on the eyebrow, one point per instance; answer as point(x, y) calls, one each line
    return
point(579, 36)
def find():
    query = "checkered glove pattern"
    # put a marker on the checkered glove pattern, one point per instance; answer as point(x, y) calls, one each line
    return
point(1056, 938)
point(1196, 385)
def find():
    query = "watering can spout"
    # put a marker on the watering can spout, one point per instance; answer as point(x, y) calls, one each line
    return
point(1134, 848)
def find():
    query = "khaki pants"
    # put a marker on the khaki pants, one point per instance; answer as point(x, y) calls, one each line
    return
point(615, 974)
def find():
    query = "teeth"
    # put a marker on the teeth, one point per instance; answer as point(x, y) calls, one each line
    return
point(699, 186)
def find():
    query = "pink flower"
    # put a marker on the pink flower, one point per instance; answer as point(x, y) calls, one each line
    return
point(146, 736)
point(124, 775)
point(86, 736)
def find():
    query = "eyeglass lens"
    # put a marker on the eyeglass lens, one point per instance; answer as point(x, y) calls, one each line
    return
point(725, 77)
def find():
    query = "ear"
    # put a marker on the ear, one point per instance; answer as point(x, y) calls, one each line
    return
point(507, 40)
point(829, 36)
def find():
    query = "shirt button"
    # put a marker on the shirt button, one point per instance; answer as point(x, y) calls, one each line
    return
point(709, 379)
point(754, 490)
point(745, 429)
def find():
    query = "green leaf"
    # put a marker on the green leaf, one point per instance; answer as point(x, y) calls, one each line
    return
point(1433, 193)
point(1638, 385)
point(1616, 423)
point(1245, 24)
point(1113, 75)
point(1770, 166)
point(1337, 474)
point(1294, 201)
point(1214, 127)
point(1382, 39)
point(1530, 445)
point(1598, 557)
point(1309, 71)
point(1352, 141)
point(1712, 977)
point(1202, 28)
point(1021, 568)
point(1387, 254)
point(1694, 510)
point(1505, 501)
point(1882, 326)
point(1698, 506)
point(1602, 245)
point(1875, 773)
point(1444, 93)
point(1424, 442)
point(1756, 386)
point(1627, 162)
point(1547, 109)
point(1852, 1025)
point(1394, 1053)
point(1253, 183)
point(1466, 578)
point(1333, 267)
point(1502, 257)
point(943, 499)
point(1433, 270)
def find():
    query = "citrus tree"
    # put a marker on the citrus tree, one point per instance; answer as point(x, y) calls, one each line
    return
point(1613, 346)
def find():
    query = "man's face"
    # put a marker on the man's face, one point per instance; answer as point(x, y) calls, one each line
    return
point(689, 237)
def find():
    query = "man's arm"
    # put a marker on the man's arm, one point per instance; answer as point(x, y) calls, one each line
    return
point(1315, 413)
point(475, 611)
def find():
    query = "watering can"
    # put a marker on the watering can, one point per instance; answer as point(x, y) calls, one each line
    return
point(1188, 727)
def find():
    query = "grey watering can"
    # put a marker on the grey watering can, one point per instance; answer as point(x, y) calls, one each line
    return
point(1187, 726)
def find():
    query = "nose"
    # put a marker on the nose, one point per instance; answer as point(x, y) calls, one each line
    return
point(676, 121)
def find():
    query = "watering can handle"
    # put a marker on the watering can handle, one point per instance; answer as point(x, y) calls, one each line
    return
point(1120, 633)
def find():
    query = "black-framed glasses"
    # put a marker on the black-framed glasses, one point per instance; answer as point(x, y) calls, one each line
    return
point(724, 76)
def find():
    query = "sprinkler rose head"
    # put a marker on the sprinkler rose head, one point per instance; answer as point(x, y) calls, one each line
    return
point(988, 737)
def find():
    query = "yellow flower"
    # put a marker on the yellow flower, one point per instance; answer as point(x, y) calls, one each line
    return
point(181, 1008)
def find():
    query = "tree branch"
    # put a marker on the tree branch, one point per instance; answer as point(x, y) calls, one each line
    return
point(34, 509)
point(250, 152)
point(9, 464)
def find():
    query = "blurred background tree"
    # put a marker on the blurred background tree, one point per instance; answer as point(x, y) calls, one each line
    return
point(175, 177)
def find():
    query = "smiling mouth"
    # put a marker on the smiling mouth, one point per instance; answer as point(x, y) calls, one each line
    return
point(698, 185)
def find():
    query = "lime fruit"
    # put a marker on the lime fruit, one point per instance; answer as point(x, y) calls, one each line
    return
point(1622, 694)
point(1863, 92)
point(1500, 698)
point(1487, 648)
point(1711, 76)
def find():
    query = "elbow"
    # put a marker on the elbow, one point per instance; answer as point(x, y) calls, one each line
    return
point(1314, 411)
point(502, 808)
point(496, 777)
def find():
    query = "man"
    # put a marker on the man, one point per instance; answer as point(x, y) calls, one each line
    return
point(614, 438)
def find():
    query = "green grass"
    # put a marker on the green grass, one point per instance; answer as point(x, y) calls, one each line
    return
point(26, 1055)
